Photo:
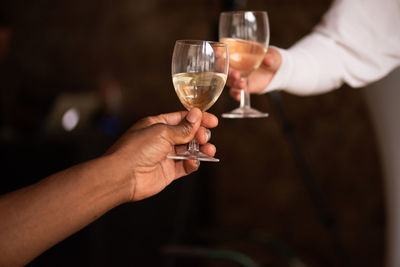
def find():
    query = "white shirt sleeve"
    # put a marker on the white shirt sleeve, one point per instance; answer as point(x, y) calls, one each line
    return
point(357, 42)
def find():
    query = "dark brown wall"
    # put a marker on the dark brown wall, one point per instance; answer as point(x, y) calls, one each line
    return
point(80, 46)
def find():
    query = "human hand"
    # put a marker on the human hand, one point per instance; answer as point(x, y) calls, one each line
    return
point(259, 79)
point(143, 149)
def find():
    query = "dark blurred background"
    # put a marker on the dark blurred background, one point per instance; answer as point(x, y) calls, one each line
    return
point(303, 186)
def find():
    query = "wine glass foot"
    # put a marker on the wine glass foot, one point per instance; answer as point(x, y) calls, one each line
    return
point(244, 112)
point(193, 155)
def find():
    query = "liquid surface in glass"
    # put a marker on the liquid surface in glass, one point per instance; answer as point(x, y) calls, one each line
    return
point(199, 89)
point(244, 56)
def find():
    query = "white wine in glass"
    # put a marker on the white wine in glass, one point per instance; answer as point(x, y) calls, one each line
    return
point(199, 72)
point(199, 89)
point(247, 35)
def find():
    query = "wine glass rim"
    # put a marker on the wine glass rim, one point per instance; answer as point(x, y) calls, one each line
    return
point(200, 42)
point(243, 11)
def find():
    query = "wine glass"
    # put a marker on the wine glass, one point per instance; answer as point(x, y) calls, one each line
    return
point(199, 72)
point(247, 36)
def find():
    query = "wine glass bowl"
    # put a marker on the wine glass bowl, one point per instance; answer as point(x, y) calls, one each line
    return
point(244, 56)
point(198, 89)
point(199, 71)
point(247, 35)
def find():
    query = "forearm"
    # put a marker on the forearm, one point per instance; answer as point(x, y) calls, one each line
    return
point(39, 216)
point(311, 66)
point(346, 47)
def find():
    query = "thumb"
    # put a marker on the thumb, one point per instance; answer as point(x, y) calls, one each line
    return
point(273, 59)
point(186, 129)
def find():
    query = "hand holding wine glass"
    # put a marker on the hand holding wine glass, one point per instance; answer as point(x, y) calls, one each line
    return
point(199, 72)
point(259, 79)
point(247, 36)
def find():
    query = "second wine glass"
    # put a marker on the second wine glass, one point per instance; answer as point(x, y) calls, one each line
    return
point(199, 71)
point(247, 36)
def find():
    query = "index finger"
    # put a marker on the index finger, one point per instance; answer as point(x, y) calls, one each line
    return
point(209, 120)
point(233, 77)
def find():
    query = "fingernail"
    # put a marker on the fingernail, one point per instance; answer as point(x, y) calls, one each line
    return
point(191, 116)
point(208, 134)
point(197, 163)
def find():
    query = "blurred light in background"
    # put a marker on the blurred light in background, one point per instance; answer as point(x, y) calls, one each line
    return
point(70, 119)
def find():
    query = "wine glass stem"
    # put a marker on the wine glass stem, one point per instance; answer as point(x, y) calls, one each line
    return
point(244, 95)
point(193, 146)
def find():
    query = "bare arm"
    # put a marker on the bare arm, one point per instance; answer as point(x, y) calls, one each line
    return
point(37, 217)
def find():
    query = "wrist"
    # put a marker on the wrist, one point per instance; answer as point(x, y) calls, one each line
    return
point(118, 176)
